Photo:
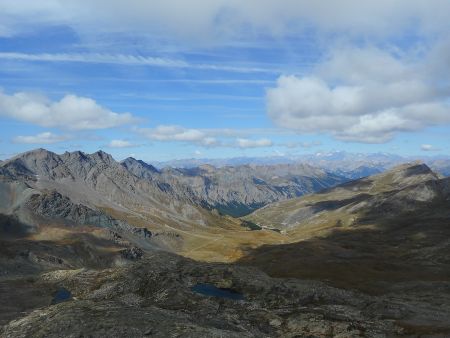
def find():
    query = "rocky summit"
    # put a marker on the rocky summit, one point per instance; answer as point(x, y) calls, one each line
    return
point(92, 247)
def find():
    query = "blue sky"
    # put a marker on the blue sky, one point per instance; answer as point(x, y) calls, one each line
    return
point(219, 78)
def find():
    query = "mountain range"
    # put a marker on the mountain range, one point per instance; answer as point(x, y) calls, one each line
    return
point(90, 245)
point(337, 162)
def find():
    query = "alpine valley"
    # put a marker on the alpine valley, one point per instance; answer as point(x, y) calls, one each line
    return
point(94, 247)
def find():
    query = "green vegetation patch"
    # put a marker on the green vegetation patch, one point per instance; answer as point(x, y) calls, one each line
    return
point(252, 226)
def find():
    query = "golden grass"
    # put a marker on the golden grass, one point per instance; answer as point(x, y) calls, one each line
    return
point(222, 240)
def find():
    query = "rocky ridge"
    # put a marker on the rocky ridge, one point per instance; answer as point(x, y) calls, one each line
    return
point(236, 190)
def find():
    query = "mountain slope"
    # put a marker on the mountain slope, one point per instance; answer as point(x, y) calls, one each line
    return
point(41, 188)
point(405, 185)
point(236, 190)
point(370, 233)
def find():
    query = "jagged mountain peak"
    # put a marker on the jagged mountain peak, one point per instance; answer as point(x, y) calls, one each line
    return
point(103, 156)
point(44, 163)
point(35, 162)
point(39, 153)
point(44, 154)
point(75, 154)
point(138, 167)
point(233, 190)
point(132, 160)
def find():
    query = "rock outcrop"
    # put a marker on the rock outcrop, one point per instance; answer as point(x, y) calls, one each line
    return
point(154, 297)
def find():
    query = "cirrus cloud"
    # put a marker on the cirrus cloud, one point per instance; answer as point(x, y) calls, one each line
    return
point(129, 60)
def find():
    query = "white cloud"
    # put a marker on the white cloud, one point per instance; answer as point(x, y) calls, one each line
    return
point(178, 133)
point(248, 143)
point(71, 112)
point(206, 137)
point(361, 94)
point(42, 138)
point(305, 145)
point(121, 144)
point(428, 147)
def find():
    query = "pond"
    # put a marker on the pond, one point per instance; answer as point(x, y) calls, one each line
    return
point(213, 291)
point(61, 295)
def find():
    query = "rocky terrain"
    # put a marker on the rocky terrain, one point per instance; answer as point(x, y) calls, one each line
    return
point(90, 247)
point(155, 297)
point(186, 210)
point(236, 190)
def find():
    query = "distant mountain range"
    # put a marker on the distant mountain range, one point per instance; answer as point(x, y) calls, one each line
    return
point(338, 162)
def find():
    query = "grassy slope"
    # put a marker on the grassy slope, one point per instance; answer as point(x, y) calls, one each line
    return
point(361, 234)
point(223, 242)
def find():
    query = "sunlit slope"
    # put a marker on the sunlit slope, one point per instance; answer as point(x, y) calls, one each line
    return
point(399, 190)
point(41, 188)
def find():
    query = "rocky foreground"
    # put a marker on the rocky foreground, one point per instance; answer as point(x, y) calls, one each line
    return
point(154, 297)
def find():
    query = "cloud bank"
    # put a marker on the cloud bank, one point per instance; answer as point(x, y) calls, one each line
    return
point(365, 95)
point(219, 20)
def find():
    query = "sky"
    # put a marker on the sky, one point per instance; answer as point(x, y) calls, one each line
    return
point(161, 80)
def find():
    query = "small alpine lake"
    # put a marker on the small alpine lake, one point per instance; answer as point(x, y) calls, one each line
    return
point(211, 290)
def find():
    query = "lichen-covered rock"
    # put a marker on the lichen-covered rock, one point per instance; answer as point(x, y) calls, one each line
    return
point(133, 253)
point(154, 297)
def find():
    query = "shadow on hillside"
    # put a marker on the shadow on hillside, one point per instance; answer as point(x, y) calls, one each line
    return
point(330, 205)
point(403, 248)
point(24, 255)
point(11, 227)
